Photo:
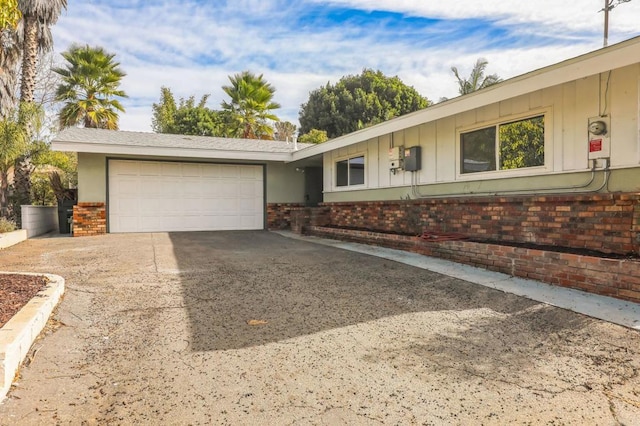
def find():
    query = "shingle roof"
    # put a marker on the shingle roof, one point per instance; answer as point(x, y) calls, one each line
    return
point(76, 135)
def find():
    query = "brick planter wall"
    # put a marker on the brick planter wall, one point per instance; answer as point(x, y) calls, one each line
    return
point(303, 217)
point(609, 277)
point(279, 214)
point(605, 222)
point(89, 219)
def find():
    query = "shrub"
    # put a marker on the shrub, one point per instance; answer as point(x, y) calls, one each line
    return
point(6, 225)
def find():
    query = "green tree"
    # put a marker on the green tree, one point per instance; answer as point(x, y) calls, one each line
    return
point(477, 79)
point(164, 112)
point(38, 16)
point(15, 142)
point(187, 117)
point(285, 130)
point(192, 119)
point(47, 163)
point(90, 84)
point(250, 106)
point(314, 136)
point(358, 101)
point(522, 143)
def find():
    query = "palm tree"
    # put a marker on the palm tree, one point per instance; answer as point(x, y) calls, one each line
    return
point(477, 80)
point(285, 130)
point(251, 105)
point(90, 81)
point(9, 60)
point(38, 16)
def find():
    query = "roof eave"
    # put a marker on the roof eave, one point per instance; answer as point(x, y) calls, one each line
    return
point(146, 151)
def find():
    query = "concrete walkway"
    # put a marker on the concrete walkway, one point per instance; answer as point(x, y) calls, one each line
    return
point(609, 309)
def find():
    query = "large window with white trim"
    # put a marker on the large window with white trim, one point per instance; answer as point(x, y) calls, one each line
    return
point(505, 146)
point(350, 171)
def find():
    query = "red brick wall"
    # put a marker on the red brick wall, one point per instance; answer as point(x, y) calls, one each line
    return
point(609, 277)
point(303, 217)
point(279, 214)
point(89, 219)
point(605, 222)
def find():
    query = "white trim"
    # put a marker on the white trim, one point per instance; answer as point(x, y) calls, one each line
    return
point(348, 186)
point(111, 149)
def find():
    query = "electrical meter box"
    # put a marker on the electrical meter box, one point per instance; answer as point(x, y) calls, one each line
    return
point(395, 157)
point(413, 159)
point(599, 131)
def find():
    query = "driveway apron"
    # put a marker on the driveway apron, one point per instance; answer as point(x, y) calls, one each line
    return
point(255, 328)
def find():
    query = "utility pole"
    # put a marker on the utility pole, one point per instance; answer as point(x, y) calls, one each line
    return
point(608, 5)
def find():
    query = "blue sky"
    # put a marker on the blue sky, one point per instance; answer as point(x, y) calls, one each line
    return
point(192, 46)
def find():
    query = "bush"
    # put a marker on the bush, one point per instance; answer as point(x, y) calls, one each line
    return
point(6, 225)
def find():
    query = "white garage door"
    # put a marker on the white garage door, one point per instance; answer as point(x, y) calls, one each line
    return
point(156, 196)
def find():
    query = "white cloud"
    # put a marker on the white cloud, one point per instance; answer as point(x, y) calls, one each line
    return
point(581, 15)
point(192, 46)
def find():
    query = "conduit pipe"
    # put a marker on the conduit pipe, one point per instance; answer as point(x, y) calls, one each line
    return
point(555, 190)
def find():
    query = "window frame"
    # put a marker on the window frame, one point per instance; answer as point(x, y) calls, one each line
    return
point(348, 158)
point(547, 115)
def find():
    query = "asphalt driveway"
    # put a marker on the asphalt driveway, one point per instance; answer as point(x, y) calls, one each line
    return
point(255, 328)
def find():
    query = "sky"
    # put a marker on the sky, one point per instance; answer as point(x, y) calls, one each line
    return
point(192, 46)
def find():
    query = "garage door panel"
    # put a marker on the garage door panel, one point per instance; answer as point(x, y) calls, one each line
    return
point(149, 169)
point(128, 168)
point(151, 207)
point(250, 174)
point(211, 171)
point(193, 170)
point(171, 169)
point(230, 172)
point(191, 187)
point(153, 196)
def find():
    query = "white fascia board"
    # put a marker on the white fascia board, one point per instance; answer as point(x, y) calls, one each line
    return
point(110, 149)
point(600, 61)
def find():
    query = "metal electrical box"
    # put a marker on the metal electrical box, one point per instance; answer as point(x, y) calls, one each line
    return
point(413, 159)
point(599, 137)
point(396, 156)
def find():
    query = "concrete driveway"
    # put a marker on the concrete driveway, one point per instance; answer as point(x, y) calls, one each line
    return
point(154, 329)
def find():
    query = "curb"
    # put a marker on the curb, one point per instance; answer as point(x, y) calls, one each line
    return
point(12, 238)
point(19, 333)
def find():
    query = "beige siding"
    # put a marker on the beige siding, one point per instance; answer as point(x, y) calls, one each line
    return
point(284, 183)
point(567, 109)
point(624, 119)
point(92, 178)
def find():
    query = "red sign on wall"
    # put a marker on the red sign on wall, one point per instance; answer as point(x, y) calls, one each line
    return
point(595, 145)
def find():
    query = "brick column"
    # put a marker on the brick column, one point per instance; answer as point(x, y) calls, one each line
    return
point(304, 217)
point(279, 215)
point(89, 219)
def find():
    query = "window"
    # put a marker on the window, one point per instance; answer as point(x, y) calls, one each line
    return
point(350, 171)
point(513, 145)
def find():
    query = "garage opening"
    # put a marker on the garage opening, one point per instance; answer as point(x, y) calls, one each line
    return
point(163, 196)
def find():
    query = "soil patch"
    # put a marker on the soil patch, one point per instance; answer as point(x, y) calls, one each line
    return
point(559, 249)
point(15, 291)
